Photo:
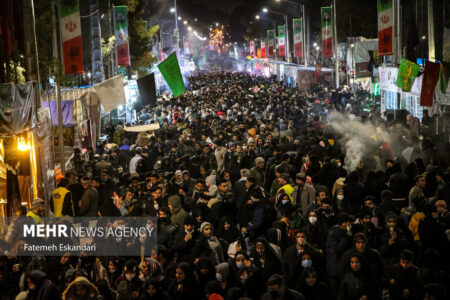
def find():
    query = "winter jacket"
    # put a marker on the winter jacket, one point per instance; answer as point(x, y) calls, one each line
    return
point(337, 243)
point(70, 292)
point(178, 214)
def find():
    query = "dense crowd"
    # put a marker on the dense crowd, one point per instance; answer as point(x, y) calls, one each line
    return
point(257, 196)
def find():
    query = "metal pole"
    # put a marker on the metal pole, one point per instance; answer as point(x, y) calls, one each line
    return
point(431, 44)
point(38, 78)
point(176, 25)
point(58, 94)
point(336, 58)
point(288, 54)
point(305, 49)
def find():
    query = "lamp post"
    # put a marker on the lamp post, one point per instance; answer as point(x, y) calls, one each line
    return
point(265, 10)
point(176, 32)
point(305, 42)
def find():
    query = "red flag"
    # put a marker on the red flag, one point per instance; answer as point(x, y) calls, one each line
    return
point(430, 79)
point(317, 73)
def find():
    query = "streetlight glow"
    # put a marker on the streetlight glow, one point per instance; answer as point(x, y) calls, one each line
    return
point(315, 44)
point(172, 9)
point(257, 17)
point(265, 10)
point(189, 28)
point(185, 22)
point(179, 18)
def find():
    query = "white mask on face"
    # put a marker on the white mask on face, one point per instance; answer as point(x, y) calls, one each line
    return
point(340, 197)
point(312, 220)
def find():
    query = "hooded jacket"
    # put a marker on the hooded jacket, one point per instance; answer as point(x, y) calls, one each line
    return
point(91, 290)
point(179, 214)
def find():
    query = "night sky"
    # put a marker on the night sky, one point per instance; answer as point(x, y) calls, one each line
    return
point(355, 18)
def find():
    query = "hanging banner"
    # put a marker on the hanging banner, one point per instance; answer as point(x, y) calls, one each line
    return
point(388, 78)
point(263, 48)
point(96, 44)
point(170, 70)
point(281, 41)
point(111, 93)
point(407, 73)
point(271, 42)
point(298, 37)
point(444, 76)
point(252, 48)
point(69, 13)
point(327, 32)
point(385, 27)
point(121, 34)
point(430, 79)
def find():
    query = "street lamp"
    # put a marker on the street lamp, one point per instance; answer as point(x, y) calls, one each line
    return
point(285, 16)
point(180, 18)
point(185, 22)
point(172, 9)
point(189, 28)
point(257, 17)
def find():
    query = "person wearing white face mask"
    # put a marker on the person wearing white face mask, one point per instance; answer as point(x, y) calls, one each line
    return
point(292, 259)
point(129, 288)
point(316, 230)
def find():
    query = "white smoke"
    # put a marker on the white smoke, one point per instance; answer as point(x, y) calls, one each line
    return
point(358, 139)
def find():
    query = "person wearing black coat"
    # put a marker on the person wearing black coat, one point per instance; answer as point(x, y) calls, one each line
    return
point(370, 256)
point(246, 276)
point(401, 279)
point(359, 283)
point(153, 291)
point(185, 241)
point(227, 230)
point(265, 259)
point(355, 191)
point(292, 258)
point(311, 287)
point(338, 241)
point(185, 285)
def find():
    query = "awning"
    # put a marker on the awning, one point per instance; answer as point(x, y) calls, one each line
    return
point(142, 128)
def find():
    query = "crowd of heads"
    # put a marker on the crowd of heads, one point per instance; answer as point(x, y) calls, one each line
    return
point(262, 191)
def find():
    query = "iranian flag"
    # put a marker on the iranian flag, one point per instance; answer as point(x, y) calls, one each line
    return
point(121, 34)
point(385, 27)
point(263, 48)
point(298, 37)
point(327, 32)
point(69, 13)
point(281, 41)
point(271, 43)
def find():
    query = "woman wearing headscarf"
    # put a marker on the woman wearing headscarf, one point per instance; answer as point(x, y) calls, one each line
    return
point(311, 287)
point(359, 283)
point(209, 245)
point(40, 288)
point(185, 285)
point(205, 272)
point(226, 230)
point(80, 289)
point(265, 259)
point(246, 276)
point(153, 291)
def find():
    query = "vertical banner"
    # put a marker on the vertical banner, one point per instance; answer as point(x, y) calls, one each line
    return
point(252, 49)
point(282, 41)
point(121, 34)
point(430, 79)
point(406, 74)
point(271, 43)
point(69, 13)
point(298, 37)
point(263, 48)
point(327, 32)
point(385, 27)
point(96, 44)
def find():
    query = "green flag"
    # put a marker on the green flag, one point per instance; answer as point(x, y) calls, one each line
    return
point(444, 76)
point(170, 70)
point(406, 74)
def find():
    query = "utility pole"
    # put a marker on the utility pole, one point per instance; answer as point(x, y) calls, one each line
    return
point(431, 44)
point(336, 57)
